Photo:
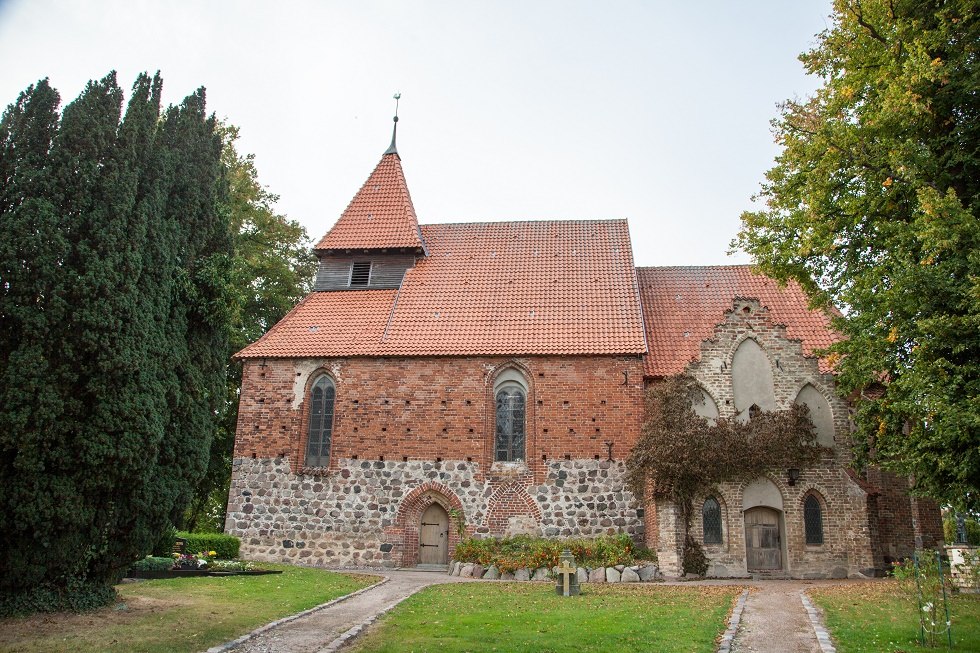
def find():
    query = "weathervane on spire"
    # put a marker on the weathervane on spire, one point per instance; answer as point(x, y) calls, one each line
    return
point(394, 131)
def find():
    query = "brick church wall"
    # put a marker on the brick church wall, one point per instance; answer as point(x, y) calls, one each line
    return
point(423, 427)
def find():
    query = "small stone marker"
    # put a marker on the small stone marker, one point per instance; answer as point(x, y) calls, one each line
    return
point(567, 575)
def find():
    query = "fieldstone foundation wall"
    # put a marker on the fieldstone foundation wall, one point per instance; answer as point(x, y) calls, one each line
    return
point(365, 512)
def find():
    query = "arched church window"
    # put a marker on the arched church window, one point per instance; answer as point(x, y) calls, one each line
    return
point(711, 520)
point(511, 409)
point(320, 429)
point(813, 520)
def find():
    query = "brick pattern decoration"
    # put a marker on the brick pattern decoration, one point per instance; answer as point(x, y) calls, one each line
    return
point(508, 507)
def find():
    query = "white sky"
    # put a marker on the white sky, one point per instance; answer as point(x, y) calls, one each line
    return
point(654, 111)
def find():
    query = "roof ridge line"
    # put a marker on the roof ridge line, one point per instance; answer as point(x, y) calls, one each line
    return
point(524, 221)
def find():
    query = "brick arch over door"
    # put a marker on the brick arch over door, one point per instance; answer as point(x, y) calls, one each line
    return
point(404, 534)
point(509, 501)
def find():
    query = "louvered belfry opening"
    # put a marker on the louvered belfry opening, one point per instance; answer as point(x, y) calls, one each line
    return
point(360, 274)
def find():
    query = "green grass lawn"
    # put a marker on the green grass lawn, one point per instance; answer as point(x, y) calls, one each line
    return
point(180, 614)
point(517, 617)
point(876, 617)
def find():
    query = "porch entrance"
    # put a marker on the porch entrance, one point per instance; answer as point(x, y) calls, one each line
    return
point(434, 536)
point(763, 545)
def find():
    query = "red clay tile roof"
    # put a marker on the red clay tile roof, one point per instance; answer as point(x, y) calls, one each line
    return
point(508, 288)
point(381, 215)
point(682, 306)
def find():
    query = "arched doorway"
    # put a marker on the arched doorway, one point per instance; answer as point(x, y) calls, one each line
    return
point(434, 536)
point(763, 544)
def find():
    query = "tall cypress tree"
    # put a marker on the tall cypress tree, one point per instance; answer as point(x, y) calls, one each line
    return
point(139, 275)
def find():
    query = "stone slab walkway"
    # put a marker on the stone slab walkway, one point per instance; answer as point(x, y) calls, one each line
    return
point(774, 620)
point(316, 631)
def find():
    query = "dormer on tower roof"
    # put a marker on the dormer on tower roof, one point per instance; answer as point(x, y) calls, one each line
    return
point(381, 216)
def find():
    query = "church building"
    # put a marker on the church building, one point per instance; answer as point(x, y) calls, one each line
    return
point(488, 378)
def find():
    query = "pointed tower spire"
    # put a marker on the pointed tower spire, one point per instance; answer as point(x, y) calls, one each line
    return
point(394, 130)
point(381, 215)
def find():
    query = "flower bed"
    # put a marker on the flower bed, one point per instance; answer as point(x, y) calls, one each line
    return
point(525, 552)
point(189, 564)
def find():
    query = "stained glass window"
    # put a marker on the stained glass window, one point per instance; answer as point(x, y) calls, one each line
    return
point(511, 405)
point(321, 423)
point(813, 520)
point(711, 519)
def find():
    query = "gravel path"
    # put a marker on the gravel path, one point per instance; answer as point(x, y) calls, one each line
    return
point(775, 621)
point(314, 632)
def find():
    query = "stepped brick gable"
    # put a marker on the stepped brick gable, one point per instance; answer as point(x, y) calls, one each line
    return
point(490, 376)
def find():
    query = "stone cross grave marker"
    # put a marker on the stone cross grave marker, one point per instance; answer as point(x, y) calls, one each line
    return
point(568, 585)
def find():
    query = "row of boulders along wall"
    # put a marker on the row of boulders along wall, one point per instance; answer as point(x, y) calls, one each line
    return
point(641, 573)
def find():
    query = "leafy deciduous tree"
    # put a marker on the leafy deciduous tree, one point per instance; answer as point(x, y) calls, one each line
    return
point(873, 207)
point(273, 270)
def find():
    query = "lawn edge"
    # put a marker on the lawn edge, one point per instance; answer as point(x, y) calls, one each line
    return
point(725, 644)
point(235, 643)
point(816, 621)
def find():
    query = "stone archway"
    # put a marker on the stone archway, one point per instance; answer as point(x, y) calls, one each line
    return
point(404, 535)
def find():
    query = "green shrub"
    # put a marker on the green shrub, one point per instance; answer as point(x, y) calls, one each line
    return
point(526, 552)
point(76, 596)
point(153, 563)
point(225, 546)
point(165, 544)
point(972, 530)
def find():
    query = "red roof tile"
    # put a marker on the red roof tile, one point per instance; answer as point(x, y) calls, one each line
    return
point(381, 215)
point(553, 287)
point(682, 306)
point(322, 325)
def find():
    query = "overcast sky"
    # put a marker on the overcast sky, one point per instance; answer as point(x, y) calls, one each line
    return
point(653, 111)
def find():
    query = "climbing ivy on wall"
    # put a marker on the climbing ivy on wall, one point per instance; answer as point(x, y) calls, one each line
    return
point(681, 455)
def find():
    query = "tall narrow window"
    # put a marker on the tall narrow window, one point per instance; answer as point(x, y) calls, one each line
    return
point(511, 405)
point(321, 423)
point(813, 520)
point(711, 520)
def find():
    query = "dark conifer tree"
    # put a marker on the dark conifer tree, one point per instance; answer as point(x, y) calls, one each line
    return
point(133, 361)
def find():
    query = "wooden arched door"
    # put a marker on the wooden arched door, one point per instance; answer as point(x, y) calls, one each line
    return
point(763, 544)
point(434, 536)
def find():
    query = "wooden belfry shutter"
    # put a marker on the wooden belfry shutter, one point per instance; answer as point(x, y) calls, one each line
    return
point(321, 423)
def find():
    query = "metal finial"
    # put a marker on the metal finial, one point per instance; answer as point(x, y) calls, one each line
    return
point(394, 130)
